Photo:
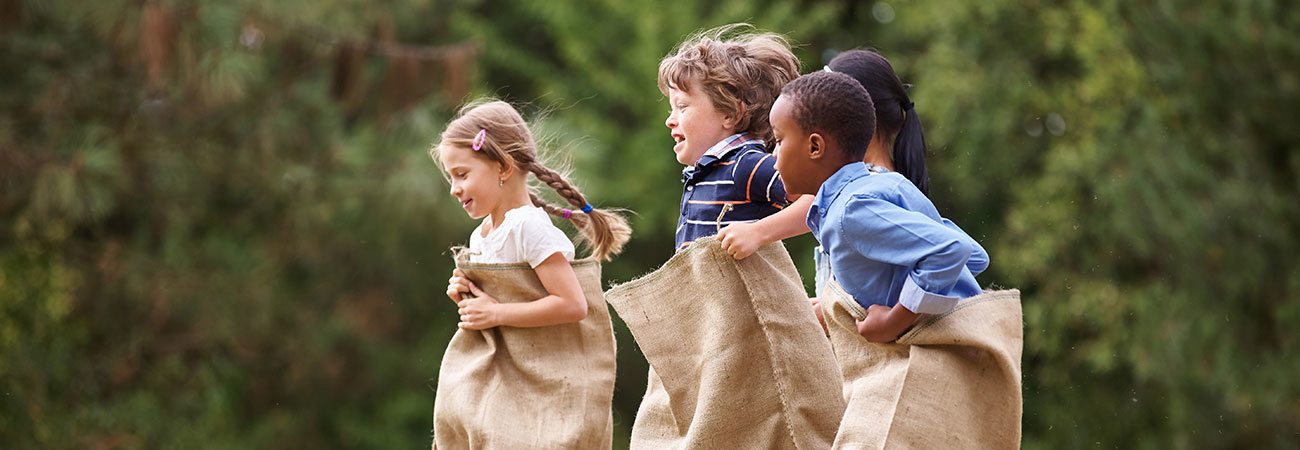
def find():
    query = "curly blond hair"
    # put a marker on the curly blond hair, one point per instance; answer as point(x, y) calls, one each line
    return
point(741, 69)
point(507, 140)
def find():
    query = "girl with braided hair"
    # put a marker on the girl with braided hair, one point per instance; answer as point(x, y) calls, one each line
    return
point(487, 153)
point(532, 364)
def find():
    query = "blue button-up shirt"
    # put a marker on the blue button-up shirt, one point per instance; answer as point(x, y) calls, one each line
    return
point(736, 172)
point(888, 245)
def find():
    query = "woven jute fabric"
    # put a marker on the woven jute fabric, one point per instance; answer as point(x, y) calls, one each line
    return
point(952, 381)
point(513, 388)
point(737, 359)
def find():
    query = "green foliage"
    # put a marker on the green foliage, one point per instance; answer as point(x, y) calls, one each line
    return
point(220, 232)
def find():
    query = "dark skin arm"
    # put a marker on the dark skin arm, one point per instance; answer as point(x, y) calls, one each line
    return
point(885, 324)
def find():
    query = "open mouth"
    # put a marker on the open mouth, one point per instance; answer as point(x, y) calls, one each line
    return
point(465, 203)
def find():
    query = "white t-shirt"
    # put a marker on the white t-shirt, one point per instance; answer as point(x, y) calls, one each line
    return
point(526, 234)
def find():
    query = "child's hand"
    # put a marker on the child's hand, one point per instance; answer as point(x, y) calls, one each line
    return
point(457, 285)
point(885, 324)
point(479, 311)
point(817, 310)
point(741, 239)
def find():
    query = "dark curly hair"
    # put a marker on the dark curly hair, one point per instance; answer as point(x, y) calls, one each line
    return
point(835, 106)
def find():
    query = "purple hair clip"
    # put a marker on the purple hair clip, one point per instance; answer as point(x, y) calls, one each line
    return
point(479, 138)
point(568, 214)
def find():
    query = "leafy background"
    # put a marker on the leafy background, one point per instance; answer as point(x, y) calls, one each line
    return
point(221, 227)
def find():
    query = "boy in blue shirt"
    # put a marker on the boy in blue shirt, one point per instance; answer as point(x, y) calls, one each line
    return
point(889, 247)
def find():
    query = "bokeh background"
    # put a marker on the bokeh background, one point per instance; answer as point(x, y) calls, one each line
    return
point(220, 228)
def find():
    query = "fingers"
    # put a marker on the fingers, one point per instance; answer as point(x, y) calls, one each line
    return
point(461, 285)
point(473, 289)
point(473, 316)
point(742, 252)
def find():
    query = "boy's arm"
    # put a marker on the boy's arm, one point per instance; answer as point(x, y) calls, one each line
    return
point(979, 259)
point(884, 324)
point(936, 254)
point(743, 239)
point(757, 172)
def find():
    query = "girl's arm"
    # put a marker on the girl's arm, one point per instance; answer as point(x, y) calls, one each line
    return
point(566, 302)
point(743, 239)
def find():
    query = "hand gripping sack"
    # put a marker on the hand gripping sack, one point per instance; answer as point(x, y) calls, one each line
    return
point(513, 388)
point(737, 359)
point(951, 382)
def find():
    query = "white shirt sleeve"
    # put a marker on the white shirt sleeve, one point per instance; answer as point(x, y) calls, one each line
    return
point(539, 239)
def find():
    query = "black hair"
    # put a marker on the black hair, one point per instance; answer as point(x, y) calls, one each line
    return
point(835, 106)
point(896, 120)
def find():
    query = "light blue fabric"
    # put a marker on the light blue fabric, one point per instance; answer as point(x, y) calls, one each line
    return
point(887, 244)
point(822, 265)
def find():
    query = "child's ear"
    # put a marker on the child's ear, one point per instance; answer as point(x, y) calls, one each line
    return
point(731, 120)
point(816, 146)
point(507, 170)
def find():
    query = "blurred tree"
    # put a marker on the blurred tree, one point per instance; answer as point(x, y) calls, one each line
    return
point(202, 248)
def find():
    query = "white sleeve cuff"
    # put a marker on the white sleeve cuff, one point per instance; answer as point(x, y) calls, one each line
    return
point(918, 301)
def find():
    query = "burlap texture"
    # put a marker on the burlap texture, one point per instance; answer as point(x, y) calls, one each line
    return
point(737, 358)
point(528, 388)
point(951, 382)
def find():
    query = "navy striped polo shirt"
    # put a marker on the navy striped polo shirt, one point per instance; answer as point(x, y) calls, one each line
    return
point(736, 171)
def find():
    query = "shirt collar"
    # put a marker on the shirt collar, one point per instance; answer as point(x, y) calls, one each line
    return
point(722, 148)
point(719, 151)
point(832, 187)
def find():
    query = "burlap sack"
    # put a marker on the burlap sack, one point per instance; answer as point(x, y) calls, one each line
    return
point(737, 358)
point(528, 388)
point(951, 382)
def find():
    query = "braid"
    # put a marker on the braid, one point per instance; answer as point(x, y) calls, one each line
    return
point(557, 182)
point(577, 219)
point(605, 230)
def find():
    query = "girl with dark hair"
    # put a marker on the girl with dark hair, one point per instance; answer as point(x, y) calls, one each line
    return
point(899, 142)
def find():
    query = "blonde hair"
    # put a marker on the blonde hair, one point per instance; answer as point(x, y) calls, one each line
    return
point(507, 140)
point(741, 70)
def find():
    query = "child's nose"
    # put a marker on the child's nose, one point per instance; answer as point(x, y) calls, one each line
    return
point(455, 189)
point(671, 121)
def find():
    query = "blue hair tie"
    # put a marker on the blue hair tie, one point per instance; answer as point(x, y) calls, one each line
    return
point(587, 209)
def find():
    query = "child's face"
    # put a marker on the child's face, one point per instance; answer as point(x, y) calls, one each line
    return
point(795, 158)
point(475, 181)
point(695, 123)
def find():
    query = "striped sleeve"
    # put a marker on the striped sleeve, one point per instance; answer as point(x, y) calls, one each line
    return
point(757, 171)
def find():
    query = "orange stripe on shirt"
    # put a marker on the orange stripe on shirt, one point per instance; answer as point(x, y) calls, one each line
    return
point(751, 175)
